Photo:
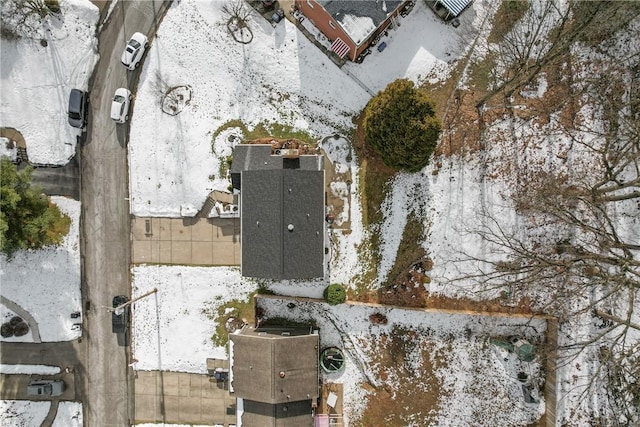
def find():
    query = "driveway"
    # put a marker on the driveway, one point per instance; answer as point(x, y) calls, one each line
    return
point(182, 398)
point(59, 181)
point(186, 241)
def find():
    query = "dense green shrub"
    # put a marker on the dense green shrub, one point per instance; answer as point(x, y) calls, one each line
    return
point(335, 294)
point(27, 219)
point(400, 125)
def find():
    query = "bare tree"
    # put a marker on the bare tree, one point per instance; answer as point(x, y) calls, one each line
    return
point(238, 14)
point(581, 244)
point(25, 17)
point(545, 35)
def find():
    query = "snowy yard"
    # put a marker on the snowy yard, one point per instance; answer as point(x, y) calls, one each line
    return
point(25, 413)
point(46, 283)
point(172, 329)
point(280, 77)
point(423, 365)
point(37, 107)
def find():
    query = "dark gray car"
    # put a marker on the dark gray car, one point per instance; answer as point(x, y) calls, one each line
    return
point(78, 108)
point(120, 318)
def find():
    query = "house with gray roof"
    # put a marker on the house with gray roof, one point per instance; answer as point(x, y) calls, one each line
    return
point(282, 207)
point(274, 376)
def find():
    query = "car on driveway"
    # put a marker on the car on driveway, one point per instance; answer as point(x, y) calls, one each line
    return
point(133, 52)
point(78, 108)
point(120, 317)
point(45, 388)
point(120, 105)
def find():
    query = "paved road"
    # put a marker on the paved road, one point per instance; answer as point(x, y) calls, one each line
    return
point(106, 387)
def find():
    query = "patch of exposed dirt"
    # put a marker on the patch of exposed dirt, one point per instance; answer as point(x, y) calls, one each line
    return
point(405, 362)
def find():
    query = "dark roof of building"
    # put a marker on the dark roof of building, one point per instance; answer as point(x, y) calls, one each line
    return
point(275, 368)
point(282, 224)
point(292, 414)
point(359, 18)
point(253, 157)
point(281, 211)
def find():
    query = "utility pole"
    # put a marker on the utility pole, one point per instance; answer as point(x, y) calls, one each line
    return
point(119, 308)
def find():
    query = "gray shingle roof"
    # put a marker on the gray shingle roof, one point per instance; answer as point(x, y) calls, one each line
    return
point(254, 156)
point(359, 18)
point(282, 220)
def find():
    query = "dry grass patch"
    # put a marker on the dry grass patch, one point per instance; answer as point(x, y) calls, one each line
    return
point(406, 363)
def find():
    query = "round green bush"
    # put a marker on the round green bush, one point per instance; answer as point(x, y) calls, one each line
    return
point(335, 294)
point(400, 124)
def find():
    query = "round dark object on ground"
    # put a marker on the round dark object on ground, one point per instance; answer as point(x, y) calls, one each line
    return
point(7, 330)
point(332, 360)
point(21, 329)
point(15, 320)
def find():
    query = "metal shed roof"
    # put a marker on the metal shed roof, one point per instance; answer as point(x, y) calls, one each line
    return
point(455, 6)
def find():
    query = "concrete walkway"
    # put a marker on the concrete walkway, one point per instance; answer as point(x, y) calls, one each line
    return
point(185, 241)
point(26, 316)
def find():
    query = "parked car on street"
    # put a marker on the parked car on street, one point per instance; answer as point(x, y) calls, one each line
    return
point(120, 318)
point(120, 105)
point(45, 388)
point(78, 108)
point(134, 51)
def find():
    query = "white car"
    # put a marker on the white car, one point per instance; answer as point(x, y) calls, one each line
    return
point(134, 51)
point(120, 105)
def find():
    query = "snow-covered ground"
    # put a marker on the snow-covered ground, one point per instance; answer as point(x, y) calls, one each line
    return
point(23, 413)
point(29, 369)
point(279, 77)
point(172, 328)
point(37, 106)
point(26, 413)
point(69, 415)
point(174, 162)
point(469, 370)
point(46, 282)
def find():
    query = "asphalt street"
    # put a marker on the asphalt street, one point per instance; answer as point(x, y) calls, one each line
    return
point(106, 385)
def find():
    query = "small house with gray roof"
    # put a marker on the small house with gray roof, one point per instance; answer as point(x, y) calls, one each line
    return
point(274, 376)
point(282, 206)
